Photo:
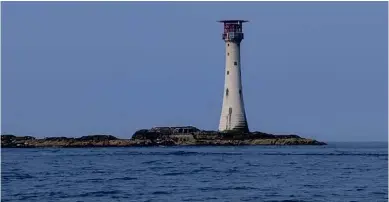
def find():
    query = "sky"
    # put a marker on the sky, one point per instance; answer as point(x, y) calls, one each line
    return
point(318, 70)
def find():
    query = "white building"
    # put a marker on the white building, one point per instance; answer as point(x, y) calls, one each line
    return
point(233, 115)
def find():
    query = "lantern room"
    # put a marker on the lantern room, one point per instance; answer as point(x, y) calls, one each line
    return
point(233, 30)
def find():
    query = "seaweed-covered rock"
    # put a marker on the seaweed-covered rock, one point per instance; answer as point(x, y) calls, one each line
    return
point(164, 136)
point(57, 138)
point(97, 138)
point(148, 135)
point(7, 138)
point(261, 135)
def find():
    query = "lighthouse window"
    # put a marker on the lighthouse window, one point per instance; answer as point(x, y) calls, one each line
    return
point(228, 53)
point(240, 92)
point(227, 92)
point(228, 72)
point(235, 63)
point(228, 44)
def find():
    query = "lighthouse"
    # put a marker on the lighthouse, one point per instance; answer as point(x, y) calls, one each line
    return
point(233, 115)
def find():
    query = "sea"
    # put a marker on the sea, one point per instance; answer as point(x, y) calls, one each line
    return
point(335, 172)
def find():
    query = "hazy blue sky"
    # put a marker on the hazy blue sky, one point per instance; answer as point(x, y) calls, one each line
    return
point(315, 69)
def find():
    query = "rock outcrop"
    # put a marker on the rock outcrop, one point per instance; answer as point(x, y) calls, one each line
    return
point(160, 136)
point(199, 137)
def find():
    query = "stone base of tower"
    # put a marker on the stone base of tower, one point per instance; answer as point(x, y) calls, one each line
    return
point(240, 128)
point(237, 123)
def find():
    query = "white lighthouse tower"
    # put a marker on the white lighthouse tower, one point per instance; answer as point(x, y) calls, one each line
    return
point(233, 115)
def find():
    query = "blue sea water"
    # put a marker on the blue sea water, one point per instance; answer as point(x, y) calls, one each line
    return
point(336, 172)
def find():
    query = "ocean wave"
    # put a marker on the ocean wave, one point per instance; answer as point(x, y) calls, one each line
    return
point(323, 154)
point(227, 188)
point(97, 193)
point(123, 178)
point(193, 153)
point(15, 176)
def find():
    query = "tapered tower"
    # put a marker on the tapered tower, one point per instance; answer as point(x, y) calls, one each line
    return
point(233, 115)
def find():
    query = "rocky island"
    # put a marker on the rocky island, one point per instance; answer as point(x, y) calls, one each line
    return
point(161, 136)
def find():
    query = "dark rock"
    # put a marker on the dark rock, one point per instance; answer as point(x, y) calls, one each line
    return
point(8, 138)
point(168, 135)
point(147, 135)
point(161, 136)
point(97, 138)
point(57, 138)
